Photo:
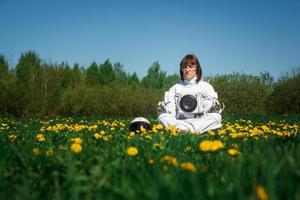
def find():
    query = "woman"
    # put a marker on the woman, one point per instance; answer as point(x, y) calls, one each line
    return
point(191, 105)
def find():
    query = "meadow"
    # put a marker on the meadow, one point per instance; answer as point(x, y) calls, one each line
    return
point(250, 157)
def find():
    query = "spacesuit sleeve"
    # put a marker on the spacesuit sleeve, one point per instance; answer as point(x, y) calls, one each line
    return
point(209, 97)
point(211, 91)
point(169, 100)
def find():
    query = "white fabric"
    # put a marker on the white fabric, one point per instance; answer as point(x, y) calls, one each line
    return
point(207, 121)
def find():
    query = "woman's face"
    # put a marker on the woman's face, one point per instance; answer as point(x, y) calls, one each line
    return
point(189, 71)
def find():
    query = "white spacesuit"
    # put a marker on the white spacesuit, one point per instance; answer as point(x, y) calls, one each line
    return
point(191, 107)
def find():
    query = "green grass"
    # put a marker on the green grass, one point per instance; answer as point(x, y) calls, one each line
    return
point(104, 170)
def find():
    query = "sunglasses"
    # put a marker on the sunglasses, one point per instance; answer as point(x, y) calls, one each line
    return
point(189, 65)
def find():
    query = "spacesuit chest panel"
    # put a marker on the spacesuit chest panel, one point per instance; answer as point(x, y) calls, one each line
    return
point(189, 101)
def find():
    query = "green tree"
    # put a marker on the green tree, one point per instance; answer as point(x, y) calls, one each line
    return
point(171, 80)
point(106, 73)
point(120, 75)
point(66, 75)
point(28, 68)
point(52, 87)
point(76, 76)
point(3, 67)
point(28, 71)
point(155, 78)
point(134, 80)
point(92, 74)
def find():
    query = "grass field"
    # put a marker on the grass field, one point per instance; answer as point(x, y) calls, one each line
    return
point(251, 157)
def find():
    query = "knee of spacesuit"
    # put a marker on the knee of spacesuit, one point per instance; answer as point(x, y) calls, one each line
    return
point(167, 119)
point(185, 127)
point(216, 116)
point(207, 122)
point(163, 116)
point(164, 119)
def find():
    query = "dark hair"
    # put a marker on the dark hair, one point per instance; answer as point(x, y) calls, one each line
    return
point(191, 59)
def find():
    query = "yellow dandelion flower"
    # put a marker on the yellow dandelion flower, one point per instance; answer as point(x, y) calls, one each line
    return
point(102, 132)
point(156, 145)
point(233, 152)
point(97, 136)
point(148, 137)
point(40, 137)
point(216, 145)
point(188, 149)
point(210, 145)
point(188, 166)
point(49, 153)
point(233, 135)
point(131, 134)
point(12, 137)
point(231, 129)
point(132, 151)
point(265, 128)
point(143, 130)
point(92, 127)
point(105, 139)
point(151, 161)
point(170, 160)
point(234, 145)
point(261, 193)
point(205, 145)
point(36, 151)
point(154, 130)
point(211, 133)
point(77, 140)
point(159, 126)
point(173, 132)
point(172, 129)
point(76, 148)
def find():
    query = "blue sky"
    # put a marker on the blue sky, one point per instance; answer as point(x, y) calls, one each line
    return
point(226, 36)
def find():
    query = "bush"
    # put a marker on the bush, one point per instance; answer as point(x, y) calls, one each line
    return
point(12, 99)
point(242, 93)
point(285, 98)
point(110, 100)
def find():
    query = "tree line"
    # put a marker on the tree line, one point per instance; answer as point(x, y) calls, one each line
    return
point(37, 88)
